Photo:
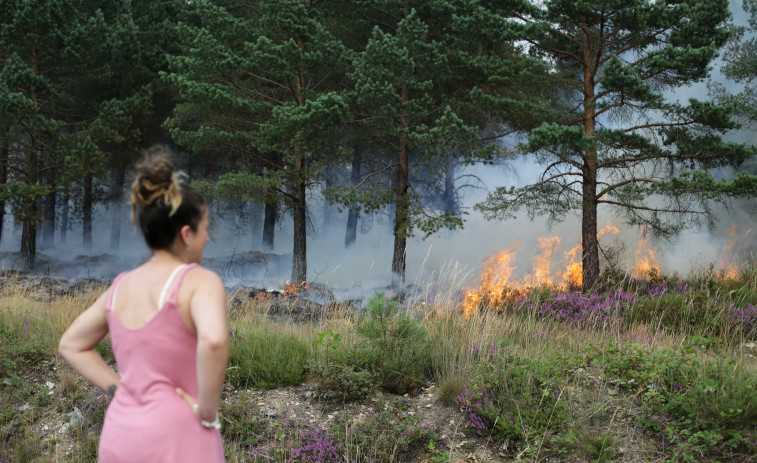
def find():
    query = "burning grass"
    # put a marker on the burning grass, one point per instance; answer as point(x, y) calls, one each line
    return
point(648, 369)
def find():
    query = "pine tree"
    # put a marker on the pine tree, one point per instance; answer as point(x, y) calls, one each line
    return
point(430, 75)
point(50, 50)
point(618, 136)
point(259, 81)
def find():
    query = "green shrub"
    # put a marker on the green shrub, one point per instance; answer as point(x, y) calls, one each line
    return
point(710, 407)
point(449, 388)
point(21, 345)
point(513, 398)
point(598, 447)
point(399, 344)
point(393, 354)
point(342, 373)
point(265, 358)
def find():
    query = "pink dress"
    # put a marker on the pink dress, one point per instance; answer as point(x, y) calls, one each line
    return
point(147, 421)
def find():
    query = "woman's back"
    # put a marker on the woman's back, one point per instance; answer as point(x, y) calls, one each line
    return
point(156, 352)
point(167, 320)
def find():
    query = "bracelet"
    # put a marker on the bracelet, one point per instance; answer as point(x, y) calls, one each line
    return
point(215, 424)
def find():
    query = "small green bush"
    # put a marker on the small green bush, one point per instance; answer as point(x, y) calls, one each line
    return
point(265, 358)
point(22, 347)
point(710, 407)
point(393, 354)
point(449, 388)
point(400, 345)
point(513, 398)
point(343, 373)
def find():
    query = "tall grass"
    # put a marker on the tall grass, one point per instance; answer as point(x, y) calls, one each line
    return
point(672, 358)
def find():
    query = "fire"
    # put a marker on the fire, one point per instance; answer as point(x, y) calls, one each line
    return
point(572, 277)
point(543, 263)
point(646, 260)
point(728, 268)
point(609, 228)
point(497, 286)
point(291, 290)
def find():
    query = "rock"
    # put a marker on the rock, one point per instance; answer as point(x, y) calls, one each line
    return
point(6, 381)
point(750, 345)
point(63, 429)
point(50, 385)
point(431, 390)
point(24, 407)
point(75, 417)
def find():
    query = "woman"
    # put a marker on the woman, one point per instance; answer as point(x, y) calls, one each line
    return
point(167, 321)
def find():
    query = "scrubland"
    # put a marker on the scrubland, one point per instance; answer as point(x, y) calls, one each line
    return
point(660, 368)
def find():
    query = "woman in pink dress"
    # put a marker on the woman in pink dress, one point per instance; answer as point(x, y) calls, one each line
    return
point(167, 321)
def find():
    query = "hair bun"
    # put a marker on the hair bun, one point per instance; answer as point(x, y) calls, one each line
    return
point(155, 179)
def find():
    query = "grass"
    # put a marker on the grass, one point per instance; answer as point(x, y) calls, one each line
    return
point(647, 370)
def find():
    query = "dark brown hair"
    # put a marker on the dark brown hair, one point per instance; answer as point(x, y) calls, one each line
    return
point(161, 203)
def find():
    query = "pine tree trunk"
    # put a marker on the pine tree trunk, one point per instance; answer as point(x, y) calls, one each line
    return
point(589, 241)
point(269, 224)
point(117, 196)
point(401, 216)
point(29, 214)
point(401, 210)
point(350, 235)
point(48, 229)
point(299, 251)
point(87, 201)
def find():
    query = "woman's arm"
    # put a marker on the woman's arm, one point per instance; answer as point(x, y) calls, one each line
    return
point(77, 346)
point(208, 310)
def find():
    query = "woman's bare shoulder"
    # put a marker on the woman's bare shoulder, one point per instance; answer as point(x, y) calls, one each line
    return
point(204, 277)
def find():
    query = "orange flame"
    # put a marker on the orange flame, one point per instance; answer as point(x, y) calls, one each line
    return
point(727, 266)
point(498, 288)
point(572, 277)
point(495, 284)
point(291, 290)
point(543, 263)
point(646, 261)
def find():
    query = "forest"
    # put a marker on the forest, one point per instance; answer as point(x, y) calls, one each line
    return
point(297, 116)
point(375, 104)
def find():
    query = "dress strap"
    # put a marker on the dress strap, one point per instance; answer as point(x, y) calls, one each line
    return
point(163, 293)
point(179, 279)
point(112, 295)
